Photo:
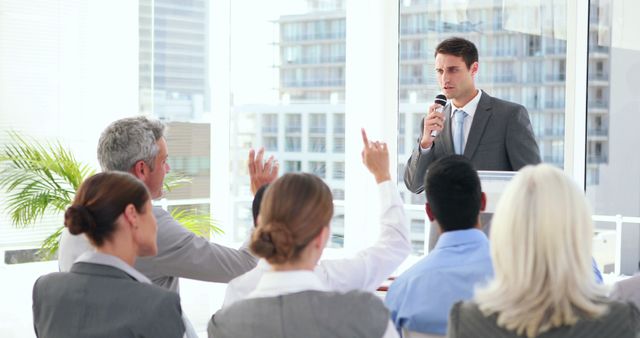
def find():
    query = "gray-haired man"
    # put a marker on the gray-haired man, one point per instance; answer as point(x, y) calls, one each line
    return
point(137, 145)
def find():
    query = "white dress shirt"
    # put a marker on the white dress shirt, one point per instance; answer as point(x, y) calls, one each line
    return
point(365, 271)
point(469, 108)
point(277, 283)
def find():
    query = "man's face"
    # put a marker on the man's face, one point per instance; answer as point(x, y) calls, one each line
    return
point(155, 179)
point(454, 78)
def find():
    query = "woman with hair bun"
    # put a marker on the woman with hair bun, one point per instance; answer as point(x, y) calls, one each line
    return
point(291, 300)
point(103, 295)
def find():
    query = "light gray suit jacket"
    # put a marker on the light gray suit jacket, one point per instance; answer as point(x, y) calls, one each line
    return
point(96, 300)
point(501, 138)
point(309, 314)
point(180, 254)
point(627, 290)
point(183, 254)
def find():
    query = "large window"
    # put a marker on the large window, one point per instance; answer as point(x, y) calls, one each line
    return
point(227, 76)
point(521, 57)
point(612, 166)
point(287, 77)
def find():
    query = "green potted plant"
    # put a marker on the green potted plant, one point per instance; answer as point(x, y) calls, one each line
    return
point(41, 178)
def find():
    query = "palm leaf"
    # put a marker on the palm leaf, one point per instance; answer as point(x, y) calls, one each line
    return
point(41, 178)
point(174, 180)
point(38, 178)
point(50, 245)
point(200, 224)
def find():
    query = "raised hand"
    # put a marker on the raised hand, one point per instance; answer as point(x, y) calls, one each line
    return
point(375, 157)
point(261, 173)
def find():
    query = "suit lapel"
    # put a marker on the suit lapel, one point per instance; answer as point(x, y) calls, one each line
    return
point(446, 137)
point(478, 125)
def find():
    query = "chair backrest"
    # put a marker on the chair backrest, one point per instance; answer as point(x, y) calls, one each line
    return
point(413, 334)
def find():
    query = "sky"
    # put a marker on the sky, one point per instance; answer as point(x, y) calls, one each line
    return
point(253, 78)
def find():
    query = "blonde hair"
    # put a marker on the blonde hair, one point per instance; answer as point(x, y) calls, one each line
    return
point(541, 237)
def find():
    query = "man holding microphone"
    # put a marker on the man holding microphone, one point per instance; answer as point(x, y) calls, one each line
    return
point(494, 134)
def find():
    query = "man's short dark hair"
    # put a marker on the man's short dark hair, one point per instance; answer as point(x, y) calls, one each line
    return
point(458, 47)
point(454, 193)
point(255, 205)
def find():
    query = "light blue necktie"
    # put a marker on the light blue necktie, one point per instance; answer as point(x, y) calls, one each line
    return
point(458, 135)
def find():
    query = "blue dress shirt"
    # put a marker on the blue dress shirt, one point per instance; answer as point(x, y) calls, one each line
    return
point(596, 271)
point(421, 298)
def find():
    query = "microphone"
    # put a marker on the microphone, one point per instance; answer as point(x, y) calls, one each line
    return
point(442, 101)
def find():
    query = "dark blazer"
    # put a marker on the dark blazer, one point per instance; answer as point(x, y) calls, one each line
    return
point(501, 138)
point(621, 321)
point(94, 300)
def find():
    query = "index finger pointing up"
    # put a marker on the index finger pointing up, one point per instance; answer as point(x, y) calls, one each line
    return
point(364, 137)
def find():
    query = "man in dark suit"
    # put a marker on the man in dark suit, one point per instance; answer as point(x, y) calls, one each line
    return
point(494, 134)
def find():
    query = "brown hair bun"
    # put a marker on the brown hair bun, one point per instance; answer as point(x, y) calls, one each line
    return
point(294, 210)
point(273, 242)
point(78, 219)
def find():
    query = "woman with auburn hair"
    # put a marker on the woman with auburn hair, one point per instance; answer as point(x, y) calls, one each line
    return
point(290, 300)
point(103, 295)
point(541, 237)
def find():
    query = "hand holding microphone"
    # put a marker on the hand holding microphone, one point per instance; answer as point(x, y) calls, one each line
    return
point(434, 122)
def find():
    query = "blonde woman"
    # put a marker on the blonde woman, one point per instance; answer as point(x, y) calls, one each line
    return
point(541, 249)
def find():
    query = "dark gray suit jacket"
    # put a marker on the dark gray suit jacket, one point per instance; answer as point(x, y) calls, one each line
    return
point(96, 300)
point(501, 138)
point(308, 314)
point(621, 321)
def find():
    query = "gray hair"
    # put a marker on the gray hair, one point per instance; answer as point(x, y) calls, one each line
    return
point(129, 140)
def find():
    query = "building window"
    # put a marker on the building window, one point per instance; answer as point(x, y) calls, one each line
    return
point(269, 123)
point(317, 123)
point(294, 123)
point(317, 144)
point(292, 166)
point(270, 143)
point(338, 170)
point(293, 144)
point(338, 145)
point(318, 168)
point(338, 124)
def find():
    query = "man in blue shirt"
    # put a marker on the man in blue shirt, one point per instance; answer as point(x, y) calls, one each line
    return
point(420, 299)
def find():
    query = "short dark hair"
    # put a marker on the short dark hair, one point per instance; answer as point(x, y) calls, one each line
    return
point(458, 47)
point(100, 200)
point(454, 193)
point(255, 205)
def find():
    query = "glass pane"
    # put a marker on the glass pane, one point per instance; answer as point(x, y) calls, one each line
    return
point(522, 53)
point(293, 104)
point(174, 85)
point(612, 167)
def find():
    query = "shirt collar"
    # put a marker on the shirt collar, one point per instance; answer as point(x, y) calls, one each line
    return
point(276, 283)
point(112, 261)
point(470, 107)
point(460, 237)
